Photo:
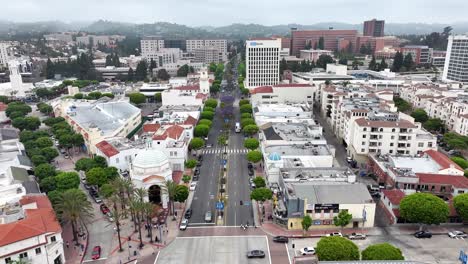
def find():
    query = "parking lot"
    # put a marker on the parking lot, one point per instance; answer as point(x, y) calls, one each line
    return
point(439, 249)
point(215, 249)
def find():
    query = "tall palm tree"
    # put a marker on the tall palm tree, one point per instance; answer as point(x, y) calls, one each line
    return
point(73, 207)
point(119, 185)
point(117, 215)
point(170, 189)
point(137, 207)
point(148, 211)
point(140, 194)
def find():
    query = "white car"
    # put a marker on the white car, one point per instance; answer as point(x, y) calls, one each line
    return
point(183, 224)
point(193, 185)
point(307, 251)
point(335, 234)
point(356, 236)
point(457, 234)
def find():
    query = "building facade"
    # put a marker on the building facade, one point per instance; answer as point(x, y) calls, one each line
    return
point(420, 54)
point(331, 39)
point(374, 28)
point(456, 61)
point(262, 62)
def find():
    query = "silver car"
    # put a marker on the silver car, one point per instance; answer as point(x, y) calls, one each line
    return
point(457, 234)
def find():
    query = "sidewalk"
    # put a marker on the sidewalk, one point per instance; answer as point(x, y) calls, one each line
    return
point(73, 253)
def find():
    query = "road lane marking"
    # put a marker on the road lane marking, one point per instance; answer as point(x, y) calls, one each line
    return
point(268, 248)
point(157, 256)
point(287, 251)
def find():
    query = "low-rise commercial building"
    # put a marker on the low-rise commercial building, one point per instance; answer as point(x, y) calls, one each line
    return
point(313, 55)
point(420, 54)
point(293, 93)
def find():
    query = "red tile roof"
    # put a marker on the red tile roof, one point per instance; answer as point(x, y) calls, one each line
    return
point(36, 222)
point(396, 212)
point(454, 180)
point(3, 106)
point(154, 177)
point(400, 124)
point(394, 196)
point(200, 96)
point(190, 121)
point(174, 131)
point(443, 161)
point(107, 149)
point(151, 127)
point(262, 89)
point(286, 85)
point(162, 136)
point(194, 87)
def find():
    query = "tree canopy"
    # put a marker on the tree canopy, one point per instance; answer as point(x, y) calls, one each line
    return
point(137, 98)
point(343, 218)
point(197, 143)
point(254, 156)
point(306, 222)
point(460, 202)
point(383, 251)
point(251, 143)
point(336, 249)
point(420, 115)
point(259, 182)
point(67, 180)
point(261, 194)
point(201, 130)
point(211, 103)
point(250, 129)
point(424, 208)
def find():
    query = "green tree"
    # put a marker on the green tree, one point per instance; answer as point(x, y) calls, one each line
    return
point(201, 131)
point(107, 190)
point(457, 143)
point(434, 124)
point(29, 123)
point(397, 62)
point(383, 251)
point(208, 109)
point(205, 122)
point(18, 107)
point(73, 207)
point(211, 103)
point(183, 71)
point(373, 64)
point(170, 189)
point(49, 153)
point(254, 156)
point(137, 98)
point(85, 164)
point(207, 115)
point(306, 223)
point(460, 202)
point(401, 104)
point(247, 108)
point(323, 60)
point(408, 62)
point(163, 75)
point(321, 43)
point(157, 97)
point(250, 129)
point(44, 142)
point(243, 102)
point(336, 249)
point(141, 71)
point(67, 180)
point(420, 115)
point(383, 64)
point(78, 96)
point(181, 194)
point(100, 161)
point(424, 208)
point(44, 170)
point(186, 178)
point(45, 108)
point(191, 163)
point(259, 182)
point(96, 176)
point(38, 159)
point(251, 143)
point(343, 219)
point(196, 143)
point(130, 75)
point(247, 121)
point(246, 115)
point(48, 184)
point(261, 194)
point(460, 161)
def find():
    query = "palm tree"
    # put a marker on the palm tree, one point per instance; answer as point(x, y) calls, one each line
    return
point(119, 185)
point(148, 211)
point(170, 189)
point(117, 215)
point(137, 207)
point(73, 207)
point(140, 194)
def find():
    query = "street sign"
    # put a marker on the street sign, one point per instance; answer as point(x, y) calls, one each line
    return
point(219, 205)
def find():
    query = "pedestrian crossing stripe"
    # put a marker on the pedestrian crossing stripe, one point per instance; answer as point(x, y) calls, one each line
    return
point(221, 150)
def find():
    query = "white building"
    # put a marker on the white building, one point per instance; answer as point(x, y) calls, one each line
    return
point(208, 54)
point(283, 113)
point(219, 44)
point(151, 44)
point(15, 87)
point(3, 117)
point(150, 89)
point(456, 61)
point(163, 56)
point(29, 230)
point(99, 120)
point(4, 54)
point(284, 93)
point(262, 62)
point(313, 55)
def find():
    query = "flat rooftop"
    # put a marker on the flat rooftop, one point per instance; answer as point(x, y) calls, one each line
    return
point(179, 108)
point(299, 150)
point(416, 164)
point(328, 193)
point(106, 116)
point(292, 132)
point(291, 174)
point(280, 108)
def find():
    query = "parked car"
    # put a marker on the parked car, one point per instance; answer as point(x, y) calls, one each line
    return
point(200, 158)
point(356, 236)
point(208, 217)
point(256, 254)
point(280, 239)
point(96, 253)
point(195, 178)
point(209, 145)
point(87, 186)
point(423, 234)
point(97, 199)
point(251, 173)
point(335, 234)
point(66, 156)
point(104, 208)
point(110, 217)
point(193, 185)
point(197, 171)
point(199, 164)
point(307, 251)
point(457, 234)
point(188, 213)
point(250, 166)
point(183, 224)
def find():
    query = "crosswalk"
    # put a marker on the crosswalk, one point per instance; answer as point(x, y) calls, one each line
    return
point(221, 150)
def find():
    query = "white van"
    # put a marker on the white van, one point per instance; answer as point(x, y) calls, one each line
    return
point(238, 127)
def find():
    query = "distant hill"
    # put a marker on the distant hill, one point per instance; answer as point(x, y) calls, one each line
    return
point(234, 31)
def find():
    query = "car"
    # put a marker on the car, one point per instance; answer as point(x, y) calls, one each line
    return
point(97, 199)
point(457, 234)
point(193, 185)
point(256, 254)
point(307, 251)
point(208, 217)
point(188, 213)
point(335, 234)
point(356, 236)
point(209, 145)
point(183, 224)
point(199, 164)
point(110, 217)
point(252, 185)
point(249, 166)
point(195, 178)
point(96, 253)
point(251, 173)
point(104, 209)
point(197, 171)
point(280, 239)
point(423, 234)
point(66, 156)
point(200, 158)
point(87, 186)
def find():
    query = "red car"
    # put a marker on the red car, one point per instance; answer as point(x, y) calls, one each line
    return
point(96, 254)
point(104, 209)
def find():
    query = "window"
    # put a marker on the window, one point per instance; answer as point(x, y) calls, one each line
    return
point(53, 239)
point(393, 130)
point(363, 143)
point(363, 150)
point(7, 260)
point(429, 144)
point(442, 189)
point(421, 144)
point(363, 136)
point(391, 144)
point(23, 255)
point(390, 151)
point(365, 129)
point(392, 137)
point(460, 192)
point(38, 251)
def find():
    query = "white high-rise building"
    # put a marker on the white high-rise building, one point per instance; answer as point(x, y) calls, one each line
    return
point(4, 56)
point(456, 60)
point(262, 62)
point(150, 45)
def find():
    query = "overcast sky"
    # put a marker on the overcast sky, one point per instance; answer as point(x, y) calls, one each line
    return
point(225, 12)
